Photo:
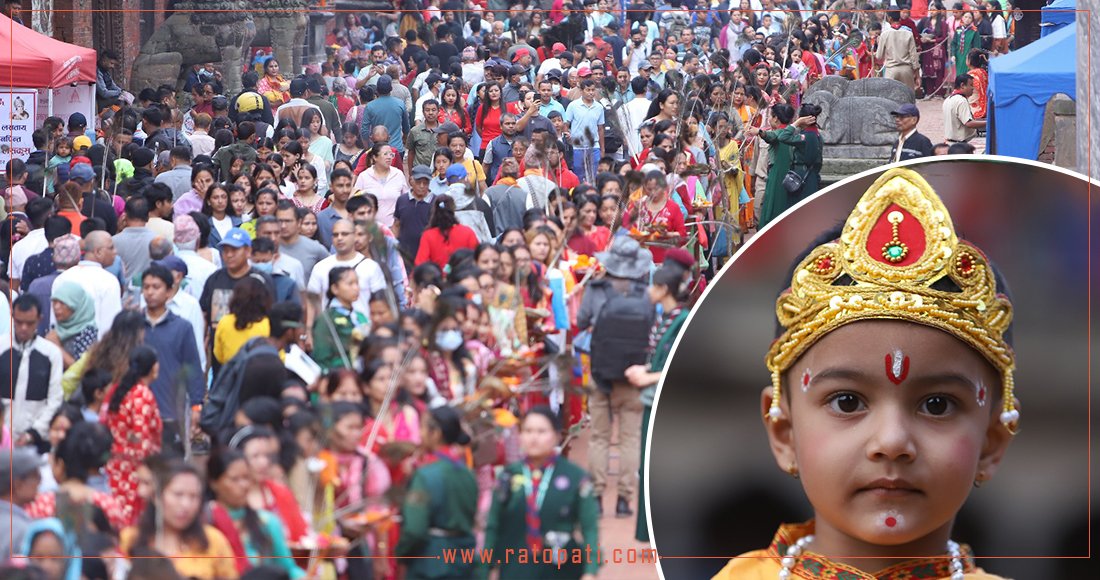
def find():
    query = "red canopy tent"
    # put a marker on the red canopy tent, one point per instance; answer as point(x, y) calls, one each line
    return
point(37, 61)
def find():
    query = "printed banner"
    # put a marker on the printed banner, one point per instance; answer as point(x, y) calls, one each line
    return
point(17, 122)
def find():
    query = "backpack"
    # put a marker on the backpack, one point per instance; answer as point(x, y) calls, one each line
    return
point(224, 397)
point(620, 336)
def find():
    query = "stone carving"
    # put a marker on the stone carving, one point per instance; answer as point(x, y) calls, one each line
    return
point(855, 116)
point(221, 31)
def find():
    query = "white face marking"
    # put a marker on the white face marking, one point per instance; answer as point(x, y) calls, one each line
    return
point(898, 357)
point(892, 519)
point(807, 376)
point(980, 393)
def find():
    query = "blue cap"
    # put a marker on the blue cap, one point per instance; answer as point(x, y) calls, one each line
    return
point(236, 238)
point(906, 110)
point(82, 173)
point(456, 171)
point(173, 262)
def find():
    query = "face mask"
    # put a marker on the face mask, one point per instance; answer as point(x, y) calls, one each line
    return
point(556, 87)
point(265, 267)
point(476, 299)
point(448, 340)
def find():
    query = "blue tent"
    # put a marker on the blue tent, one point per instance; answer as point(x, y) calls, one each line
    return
point(1021, 83)
point(1057, 15)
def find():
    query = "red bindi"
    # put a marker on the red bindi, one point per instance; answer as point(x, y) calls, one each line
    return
point(891, 521)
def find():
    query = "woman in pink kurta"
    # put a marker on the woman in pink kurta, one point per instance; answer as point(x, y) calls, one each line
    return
point(134, 421)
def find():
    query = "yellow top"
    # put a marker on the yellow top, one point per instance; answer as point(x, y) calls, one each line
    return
point(765, 564)
point(228, 340)
point(216, 563)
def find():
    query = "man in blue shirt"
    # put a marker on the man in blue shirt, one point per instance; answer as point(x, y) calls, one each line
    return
point(586, 125)
point(389, 112)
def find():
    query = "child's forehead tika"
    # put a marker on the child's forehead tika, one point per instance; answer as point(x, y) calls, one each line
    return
point(897, 259)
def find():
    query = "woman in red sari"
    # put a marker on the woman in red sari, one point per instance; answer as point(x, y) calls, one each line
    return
point(134, 421)
point(654, 209)
point(978, 62)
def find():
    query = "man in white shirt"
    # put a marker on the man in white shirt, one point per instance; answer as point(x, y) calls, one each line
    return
point(959, 124)
point(38, 210)
point(35, 366)
point(101, 285)
point(636, 52)
point(371, 278)
point(633, 114)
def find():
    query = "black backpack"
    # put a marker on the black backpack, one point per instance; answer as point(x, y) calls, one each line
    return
point(223, 400)
point(620, 337)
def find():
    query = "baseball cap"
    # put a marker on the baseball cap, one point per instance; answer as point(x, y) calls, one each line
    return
point(81, 173)
point(77, 120)
point(219, 103)
point(385, 85)
point(236, 238)
point(82, 142)
point(584, 71)
point(423, 172)
point(646, 66)
point(249, 101)
point(456, 171)
point(557, 48)
point(448, 127)
point(23, 460)
point(517, 70)
point(906, 110)
point(173, 262)
point(298, 87)
point(520, 54)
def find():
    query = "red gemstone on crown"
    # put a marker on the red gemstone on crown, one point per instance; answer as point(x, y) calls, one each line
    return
point(966, 264)
point(824, 265)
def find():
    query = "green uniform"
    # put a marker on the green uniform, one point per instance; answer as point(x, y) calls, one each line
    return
point(780, 152)
point(657, 362)
point(806, 161)
point(325, 350)
point(567, 504)
point(961, 43)
point(438, 514)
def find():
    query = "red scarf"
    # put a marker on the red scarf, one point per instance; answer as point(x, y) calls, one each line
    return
point(534, 520)
point(223, 522)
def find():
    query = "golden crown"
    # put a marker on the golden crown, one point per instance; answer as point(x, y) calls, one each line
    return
point(897, 258)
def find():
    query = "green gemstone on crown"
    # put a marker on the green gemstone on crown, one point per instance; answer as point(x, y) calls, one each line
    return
point(894, 251)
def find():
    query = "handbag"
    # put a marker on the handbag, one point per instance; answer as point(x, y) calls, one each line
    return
point(792, 181)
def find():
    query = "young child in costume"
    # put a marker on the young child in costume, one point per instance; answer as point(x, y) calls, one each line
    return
point(892, 393)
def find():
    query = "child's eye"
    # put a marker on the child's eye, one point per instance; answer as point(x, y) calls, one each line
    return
point(845, 403)
point(937, 405)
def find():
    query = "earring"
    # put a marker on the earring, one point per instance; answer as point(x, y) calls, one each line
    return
point(979, 479)
point(792, 470)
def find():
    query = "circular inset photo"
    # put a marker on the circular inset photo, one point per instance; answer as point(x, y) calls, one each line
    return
point(891, 381)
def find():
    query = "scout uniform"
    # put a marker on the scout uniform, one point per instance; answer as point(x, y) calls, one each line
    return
point(345, 323)
point(438, 514)
point(897, 258)
point(561, 493)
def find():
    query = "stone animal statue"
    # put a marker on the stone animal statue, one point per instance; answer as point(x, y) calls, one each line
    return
point(221, 31)
point(855, 118)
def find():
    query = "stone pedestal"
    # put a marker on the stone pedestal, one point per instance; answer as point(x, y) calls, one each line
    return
point(855, 122)
point(1064, 112)
point(1088, 89)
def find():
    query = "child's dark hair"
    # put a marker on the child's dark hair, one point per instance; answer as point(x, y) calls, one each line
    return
point(84, 450)
point(334, 277)
point(93, 381)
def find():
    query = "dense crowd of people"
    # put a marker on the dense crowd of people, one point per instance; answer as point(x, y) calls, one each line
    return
point(364, 309)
